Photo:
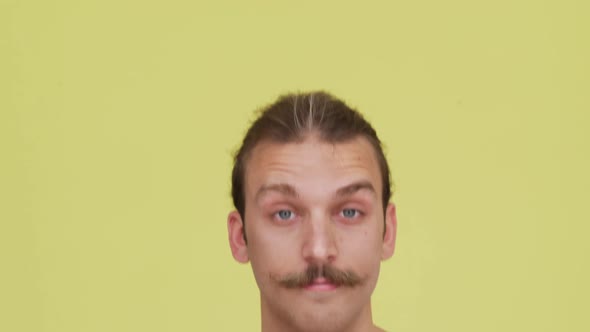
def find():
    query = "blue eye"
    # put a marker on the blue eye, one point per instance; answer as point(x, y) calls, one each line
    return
point(285, 214)
point(350, 213)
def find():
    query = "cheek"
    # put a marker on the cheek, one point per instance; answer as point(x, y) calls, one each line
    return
point(361, 247)
point(271, 253)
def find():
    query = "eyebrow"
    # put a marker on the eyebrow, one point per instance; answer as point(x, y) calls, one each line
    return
point(281, 188)
point(356, 187)
point(288, 190)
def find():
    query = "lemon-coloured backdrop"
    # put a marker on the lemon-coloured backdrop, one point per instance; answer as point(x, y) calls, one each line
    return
point(118, 120)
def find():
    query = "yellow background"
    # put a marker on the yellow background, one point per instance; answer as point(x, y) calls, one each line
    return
point(118, 120)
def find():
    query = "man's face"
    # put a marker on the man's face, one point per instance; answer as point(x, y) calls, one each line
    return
point(315, 229)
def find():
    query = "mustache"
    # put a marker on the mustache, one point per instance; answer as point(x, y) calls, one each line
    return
point(331, 274)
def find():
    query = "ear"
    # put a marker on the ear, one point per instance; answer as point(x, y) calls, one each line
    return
point(237, 241)
point(390, 232)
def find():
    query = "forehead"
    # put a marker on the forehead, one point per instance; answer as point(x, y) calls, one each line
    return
point(312, 166)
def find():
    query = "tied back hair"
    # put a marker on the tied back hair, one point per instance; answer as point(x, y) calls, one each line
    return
point(292, 118)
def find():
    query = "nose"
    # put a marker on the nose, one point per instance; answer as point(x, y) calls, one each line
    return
point(319, 241)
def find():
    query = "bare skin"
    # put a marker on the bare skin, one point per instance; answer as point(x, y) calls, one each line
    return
point(314, 204)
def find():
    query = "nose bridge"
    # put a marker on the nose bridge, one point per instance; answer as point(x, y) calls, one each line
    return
point(319, 245)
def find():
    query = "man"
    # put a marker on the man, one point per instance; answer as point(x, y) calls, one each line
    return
point(311, 188)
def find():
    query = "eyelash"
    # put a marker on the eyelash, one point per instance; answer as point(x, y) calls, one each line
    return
point(277, 215)
point(358, 213)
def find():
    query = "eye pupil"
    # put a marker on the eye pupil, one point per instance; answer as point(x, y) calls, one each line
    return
point(285, 214)
point(349, 213)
